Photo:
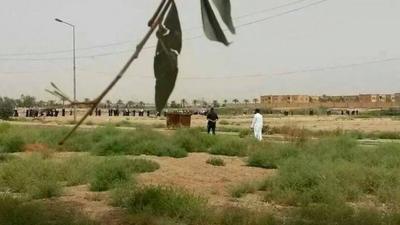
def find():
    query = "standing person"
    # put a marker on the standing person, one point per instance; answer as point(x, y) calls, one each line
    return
point(257, 124)
point(212, 118)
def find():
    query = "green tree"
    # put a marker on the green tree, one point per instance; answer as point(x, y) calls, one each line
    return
point(236, 101)
point(216, 103)
point(183, 103)
point(195, 102)
point(130, 104)
point(173, 104)
point(108, 103)
point(255, 101)
point(7, 106)
point(120, 102)
point(27, 101)
point(246, 101)
point(142, 104)
point(51, 103)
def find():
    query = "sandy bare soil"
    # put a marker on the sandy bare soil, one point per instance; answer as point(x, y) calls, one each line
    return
point(213, 182)
point(192, 174)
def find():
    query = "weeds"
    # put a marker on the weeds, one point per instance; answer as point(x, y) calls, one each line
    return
point(215, 161)
point(113, 171)
point(240, 190)
point(332, 171)
point(229, 146)
point(10, 143)
point(14, 211)
point(162, 201)
point(193, 140)
point(33, 176)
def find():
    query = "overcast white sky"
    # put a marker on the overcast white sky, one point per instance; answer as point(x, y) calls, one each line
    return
point(333, 33)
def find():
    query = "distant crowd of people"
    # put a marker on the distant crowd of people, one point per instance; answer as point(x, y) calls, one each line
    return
point(127, 112)
point(53, 112)
point(35, 112)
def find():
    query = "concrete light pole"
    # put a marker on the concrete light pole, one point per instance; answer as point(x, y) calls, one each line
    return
point(74, 60)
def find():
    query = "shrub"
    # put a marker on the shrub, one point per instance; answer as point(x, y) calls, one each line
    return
point(341, 214)
point(33, 176)
point(300, 181)
point(229, 146)
point(11, 143)
point(224, 122)
point(110, 141)
point(159, 148)
point(109, 173)
point(14, 211)
point(244, 133)
point(239, 216)
point(193, 140)
point(240, 190)
point(111, 145)
point(264, 159)
point(215, 161)
point(78, 170)
point(6, 108)
point(162, 201)
point(143, 165)
point(4, 127)
point(6, 157)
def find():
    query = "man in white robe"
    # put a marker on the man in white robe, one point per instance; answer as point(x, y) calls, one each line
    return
point(257, 125)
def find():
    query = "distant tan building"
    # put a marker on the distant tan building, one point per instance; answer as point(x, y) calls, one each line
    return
point(368, 98)
point(357, 101)
point(397, 97)
point(351, 98)
point(285, 99)
point(314, 99)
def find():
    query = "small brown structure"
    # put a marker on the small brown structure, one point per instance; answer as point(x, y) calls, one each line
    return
point(177, 120)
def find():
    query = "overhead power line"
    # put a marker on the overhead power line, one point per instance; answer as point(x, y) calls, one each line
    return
point(153, 46)
point(258, 75)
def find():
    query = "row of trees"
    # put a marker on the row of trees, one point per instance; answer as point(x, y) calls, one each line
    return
point(27, 101)
point(215, 103)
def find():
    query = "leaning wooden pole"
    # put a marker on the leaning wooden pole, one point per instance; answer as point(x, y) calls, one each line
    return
point(153, 23)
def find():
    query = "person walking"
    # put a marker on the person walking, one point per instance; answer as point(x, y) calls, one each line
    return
point(257, 124)
point(212, 118)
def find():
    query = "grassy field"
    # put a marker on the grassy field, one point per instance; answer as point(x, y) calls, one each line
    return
point(309, 178)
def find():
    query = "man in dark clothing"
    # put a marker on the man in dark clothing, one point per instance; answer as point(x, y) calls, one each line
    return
point(212, 118)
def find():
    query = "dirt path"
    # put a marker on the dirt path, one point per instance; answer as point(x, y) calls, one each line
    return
point(194, 174)
point(191, 173)
point(95, 205)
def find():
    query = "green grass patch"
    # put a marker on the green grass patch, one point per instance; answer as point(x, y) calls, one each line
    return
point(240, 190)
point(14, 211)
point(332, 170)
point(33, 176)
point(229, 146)
point(161, 201)
point(193, 140)
point(116, 170)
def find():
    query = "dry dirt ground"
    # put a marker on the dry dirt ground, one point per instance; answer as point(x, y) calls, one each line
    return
point(307, 122)
point(214, 182)
point(192, 174)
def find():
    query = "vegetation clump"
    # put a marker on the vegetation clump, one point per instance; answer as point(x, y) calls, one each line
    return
point(32, 176)
point(113, 171)
point(215, 161)
point(162, 201)
point(16, 211)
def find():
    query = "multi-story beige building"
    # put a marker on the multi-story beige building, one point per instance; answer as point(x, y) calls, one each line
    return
point(368, 98)
point(285, 99)
point(362, 100)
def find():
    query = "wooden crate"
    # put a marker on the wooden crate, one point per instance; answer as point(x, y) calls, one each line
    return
point(177, 120)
